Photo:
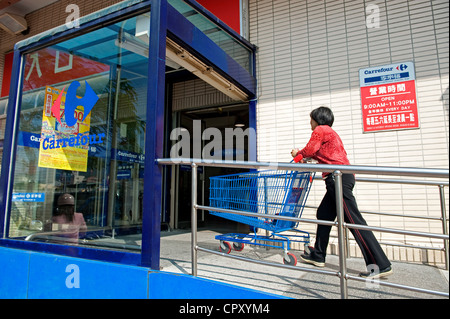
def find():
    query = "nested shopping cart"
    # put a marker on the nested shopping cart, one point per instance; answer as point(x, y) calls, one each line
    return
point(270, 192)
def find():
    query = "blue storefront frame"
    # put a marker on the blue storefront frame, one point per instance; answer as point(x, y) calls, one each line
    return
point(165, 21)
point(35, 275)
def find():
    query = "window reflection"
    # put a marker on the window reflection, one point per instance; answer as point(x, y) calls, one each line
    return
point(81, 135)
point(225, 41)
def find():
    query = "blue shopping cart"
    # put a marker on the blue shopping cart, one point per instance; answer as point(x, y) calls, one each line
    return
point(272, 192)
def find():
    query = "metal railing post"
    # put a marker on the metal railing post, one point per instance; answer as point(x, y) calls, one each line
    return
point(347, 242)
point(341, 233)
point(194, 219)
point(444, 223)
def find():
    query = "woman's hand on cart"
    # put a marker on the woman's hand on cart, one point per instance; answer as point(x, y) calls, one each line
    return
point(298, 158)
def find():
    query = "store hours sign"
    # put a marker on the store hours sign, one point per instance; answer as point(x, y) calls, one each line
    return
point(388, 97)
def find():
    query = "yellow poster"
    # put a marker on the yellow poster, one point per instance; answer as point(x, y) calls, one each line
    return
point(63, 146)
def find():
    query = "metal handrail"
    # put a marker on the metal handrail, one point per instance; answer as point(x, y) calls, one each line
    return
point(345, 169)
point(442, 219)
point(49, 234)
point(337, 171)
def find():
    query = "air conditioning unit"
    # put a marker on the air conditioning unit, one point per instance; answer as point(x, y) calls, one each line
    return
point(13, 23)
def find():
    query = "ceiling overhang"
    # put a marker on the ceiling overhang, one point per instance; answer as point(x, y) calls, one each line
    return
point(23, 7)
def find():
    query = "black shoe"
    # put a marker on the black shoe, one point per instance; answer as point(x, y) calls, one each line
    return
point(377, 274)
point(307, 258)
point(308, 250)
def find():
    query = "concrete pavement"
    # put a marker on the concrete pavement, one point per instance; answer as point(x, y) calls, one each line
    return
point(176, 258)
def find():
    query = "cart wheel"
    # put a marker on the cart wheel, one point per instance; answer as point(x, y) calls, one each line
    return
point(291, 259)
point(238, 246)
point(225, 247)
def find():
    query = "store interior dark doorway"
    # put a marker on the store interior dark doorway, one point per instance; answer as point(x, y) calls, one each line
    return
point(222, 118)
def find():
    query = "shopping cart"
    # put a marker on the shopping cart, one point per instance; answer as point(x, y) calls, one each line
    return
point(272, 192)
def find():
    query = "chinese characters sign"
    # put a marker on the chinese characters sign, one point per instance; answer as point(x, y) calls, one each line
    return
point(388, 97)
point(49, 66)
point(28, 197)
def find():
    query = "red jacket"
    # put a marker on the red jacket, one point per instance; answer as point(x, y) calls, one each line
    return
point(325, 146)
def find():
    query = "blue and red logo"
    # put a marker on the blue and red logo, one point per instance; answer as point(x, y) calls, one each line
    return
point(402, 67)
point(72, 101)
point(71, 116)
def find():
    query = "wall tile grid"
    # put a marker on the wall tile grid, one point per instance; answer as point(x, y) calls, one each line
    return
point(309, 54)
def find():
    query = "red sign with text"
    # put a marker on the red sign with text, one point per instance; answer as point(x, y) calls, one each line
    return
point(389, 106)
point(49, 66)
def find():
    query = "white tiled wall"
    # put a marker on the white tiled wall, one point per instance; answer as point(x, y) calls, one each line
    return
point(309, 54)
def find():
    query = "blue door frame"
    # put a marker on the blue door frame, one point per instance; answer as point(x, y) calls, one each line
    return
point(151, 226)
point(165, 21)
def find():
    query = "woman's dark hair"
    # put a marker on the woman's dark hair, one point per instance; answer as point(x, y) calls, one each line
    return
point(323, 116)
point(67, 211)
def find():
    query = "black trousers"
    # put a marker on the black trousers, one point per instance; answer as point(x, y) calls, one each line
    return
point(371, 249)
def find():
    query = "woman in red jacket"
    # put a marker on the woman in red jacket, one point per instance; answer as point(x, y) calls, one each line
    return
point(326, 147)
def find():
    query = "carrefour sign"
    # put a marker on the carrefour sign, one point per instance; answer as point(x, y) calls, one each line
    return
point(385, 74)
point(388, 97)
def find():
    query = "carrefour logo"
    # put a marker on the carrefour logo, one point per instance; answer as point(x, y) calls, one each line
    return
point(72, 116)
point(72, 101)
point(402, 67)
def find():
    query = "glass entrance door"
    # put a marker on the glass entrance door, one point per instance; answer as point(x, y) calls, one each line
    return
point(231, 121)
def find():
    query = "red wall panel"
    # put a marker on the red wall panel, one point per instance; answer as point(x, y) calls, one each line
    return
point(225, 10)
